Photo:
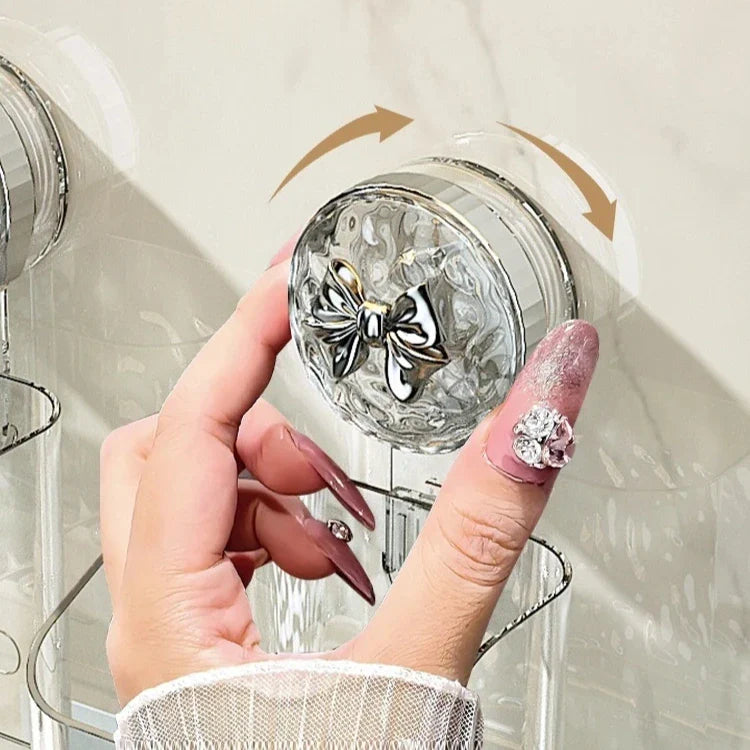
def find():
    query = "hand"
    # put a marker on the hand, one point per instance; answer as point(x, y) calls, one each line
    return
point(182, 534)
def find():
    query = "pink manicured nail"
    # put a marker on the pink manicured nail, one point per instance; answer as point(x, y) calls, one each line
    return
point(338, 552)
point(336, 479)
point(556, 376)
point(285, 252)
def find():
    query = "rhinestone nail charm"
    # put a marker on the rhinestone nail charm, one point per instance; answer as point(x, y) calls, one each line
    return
point(544, 438)
point(340, 530)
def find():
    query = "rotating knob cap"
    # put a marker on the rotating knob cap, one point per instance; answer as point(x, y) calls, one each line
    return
point(416, 296)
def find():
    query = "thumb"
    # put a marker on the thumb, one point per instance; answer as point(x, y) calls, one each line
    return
point(444, 595)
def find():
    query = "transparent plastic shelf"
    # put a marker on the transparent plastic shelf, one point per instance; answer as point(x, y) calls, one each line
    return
point(29, 445)
point(69, 684)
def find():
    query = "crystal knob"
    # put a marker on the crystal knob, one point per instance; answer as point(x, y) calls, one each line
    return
point(33, 182)
point(416, 296)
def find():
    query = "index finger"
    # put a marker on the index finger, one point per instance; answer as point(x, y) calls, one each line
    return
point(186, 501)
point(233, 369)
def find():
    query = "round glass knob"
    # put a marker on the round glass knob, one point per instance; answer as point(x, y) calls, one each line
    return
point(33, 176)
point(416, 296)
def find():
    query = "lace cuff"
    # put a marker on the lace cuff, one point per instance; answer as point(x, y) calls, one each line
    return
point(303, 703)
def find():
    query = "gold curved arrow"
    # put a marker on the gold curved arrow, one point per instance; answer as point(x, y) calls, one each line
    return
point(382, 121)
point(601, 211)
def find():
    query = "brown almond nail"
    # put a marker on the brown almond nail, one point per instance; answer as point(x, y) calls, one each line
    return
point(335, 478)
point(338, 552)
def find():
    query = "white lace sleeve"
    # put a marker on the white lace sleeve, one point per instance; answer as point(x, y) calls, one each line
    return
point(299, 704)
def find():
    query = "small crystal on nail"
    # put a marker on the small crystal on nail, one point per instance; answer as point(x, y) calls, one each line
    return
point(340, 530)
point(545, 438)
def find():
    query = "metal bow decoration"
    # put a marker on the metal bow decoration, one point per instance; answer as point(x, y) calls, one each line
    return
point(350, 324)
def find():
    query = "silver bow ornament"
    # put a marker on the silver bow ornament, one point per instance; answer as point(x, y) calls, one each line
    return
point(350, 324)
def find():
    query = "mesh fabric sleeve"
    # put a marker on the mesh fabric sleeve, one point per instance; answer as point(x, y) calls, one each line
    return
point(299, 703)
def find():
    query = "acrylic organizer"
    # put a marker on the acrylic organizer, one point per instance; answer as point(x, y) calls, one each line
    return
point(30, 545)
point(125, 366)
point(33, 196)
point(525, 640)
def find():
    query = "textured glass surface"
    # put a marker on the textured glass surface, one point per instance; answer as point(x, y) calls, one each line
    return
point(394, 243)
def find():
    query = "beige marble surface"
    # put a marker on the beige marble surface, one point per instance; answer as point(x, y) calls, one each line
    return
point(180, 119)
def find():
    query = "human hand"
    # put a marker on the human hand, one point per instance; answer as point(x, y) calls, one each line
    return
point(182, 534)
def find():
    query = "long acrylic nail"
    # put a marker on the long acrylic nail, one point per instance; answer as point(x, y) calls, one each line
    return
point(338, 552)
point(285, 251)
point(336, 479)
point(556, 376)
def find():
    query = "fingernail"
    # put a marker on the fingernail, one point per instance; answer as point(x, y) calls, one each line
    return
point(335, 477)
point(556, 377)
point(338, 552)
point(285, 251)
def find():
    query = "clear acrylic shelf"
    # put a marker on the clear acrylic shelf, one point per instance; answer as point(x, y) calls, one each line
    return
point(525, 639)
